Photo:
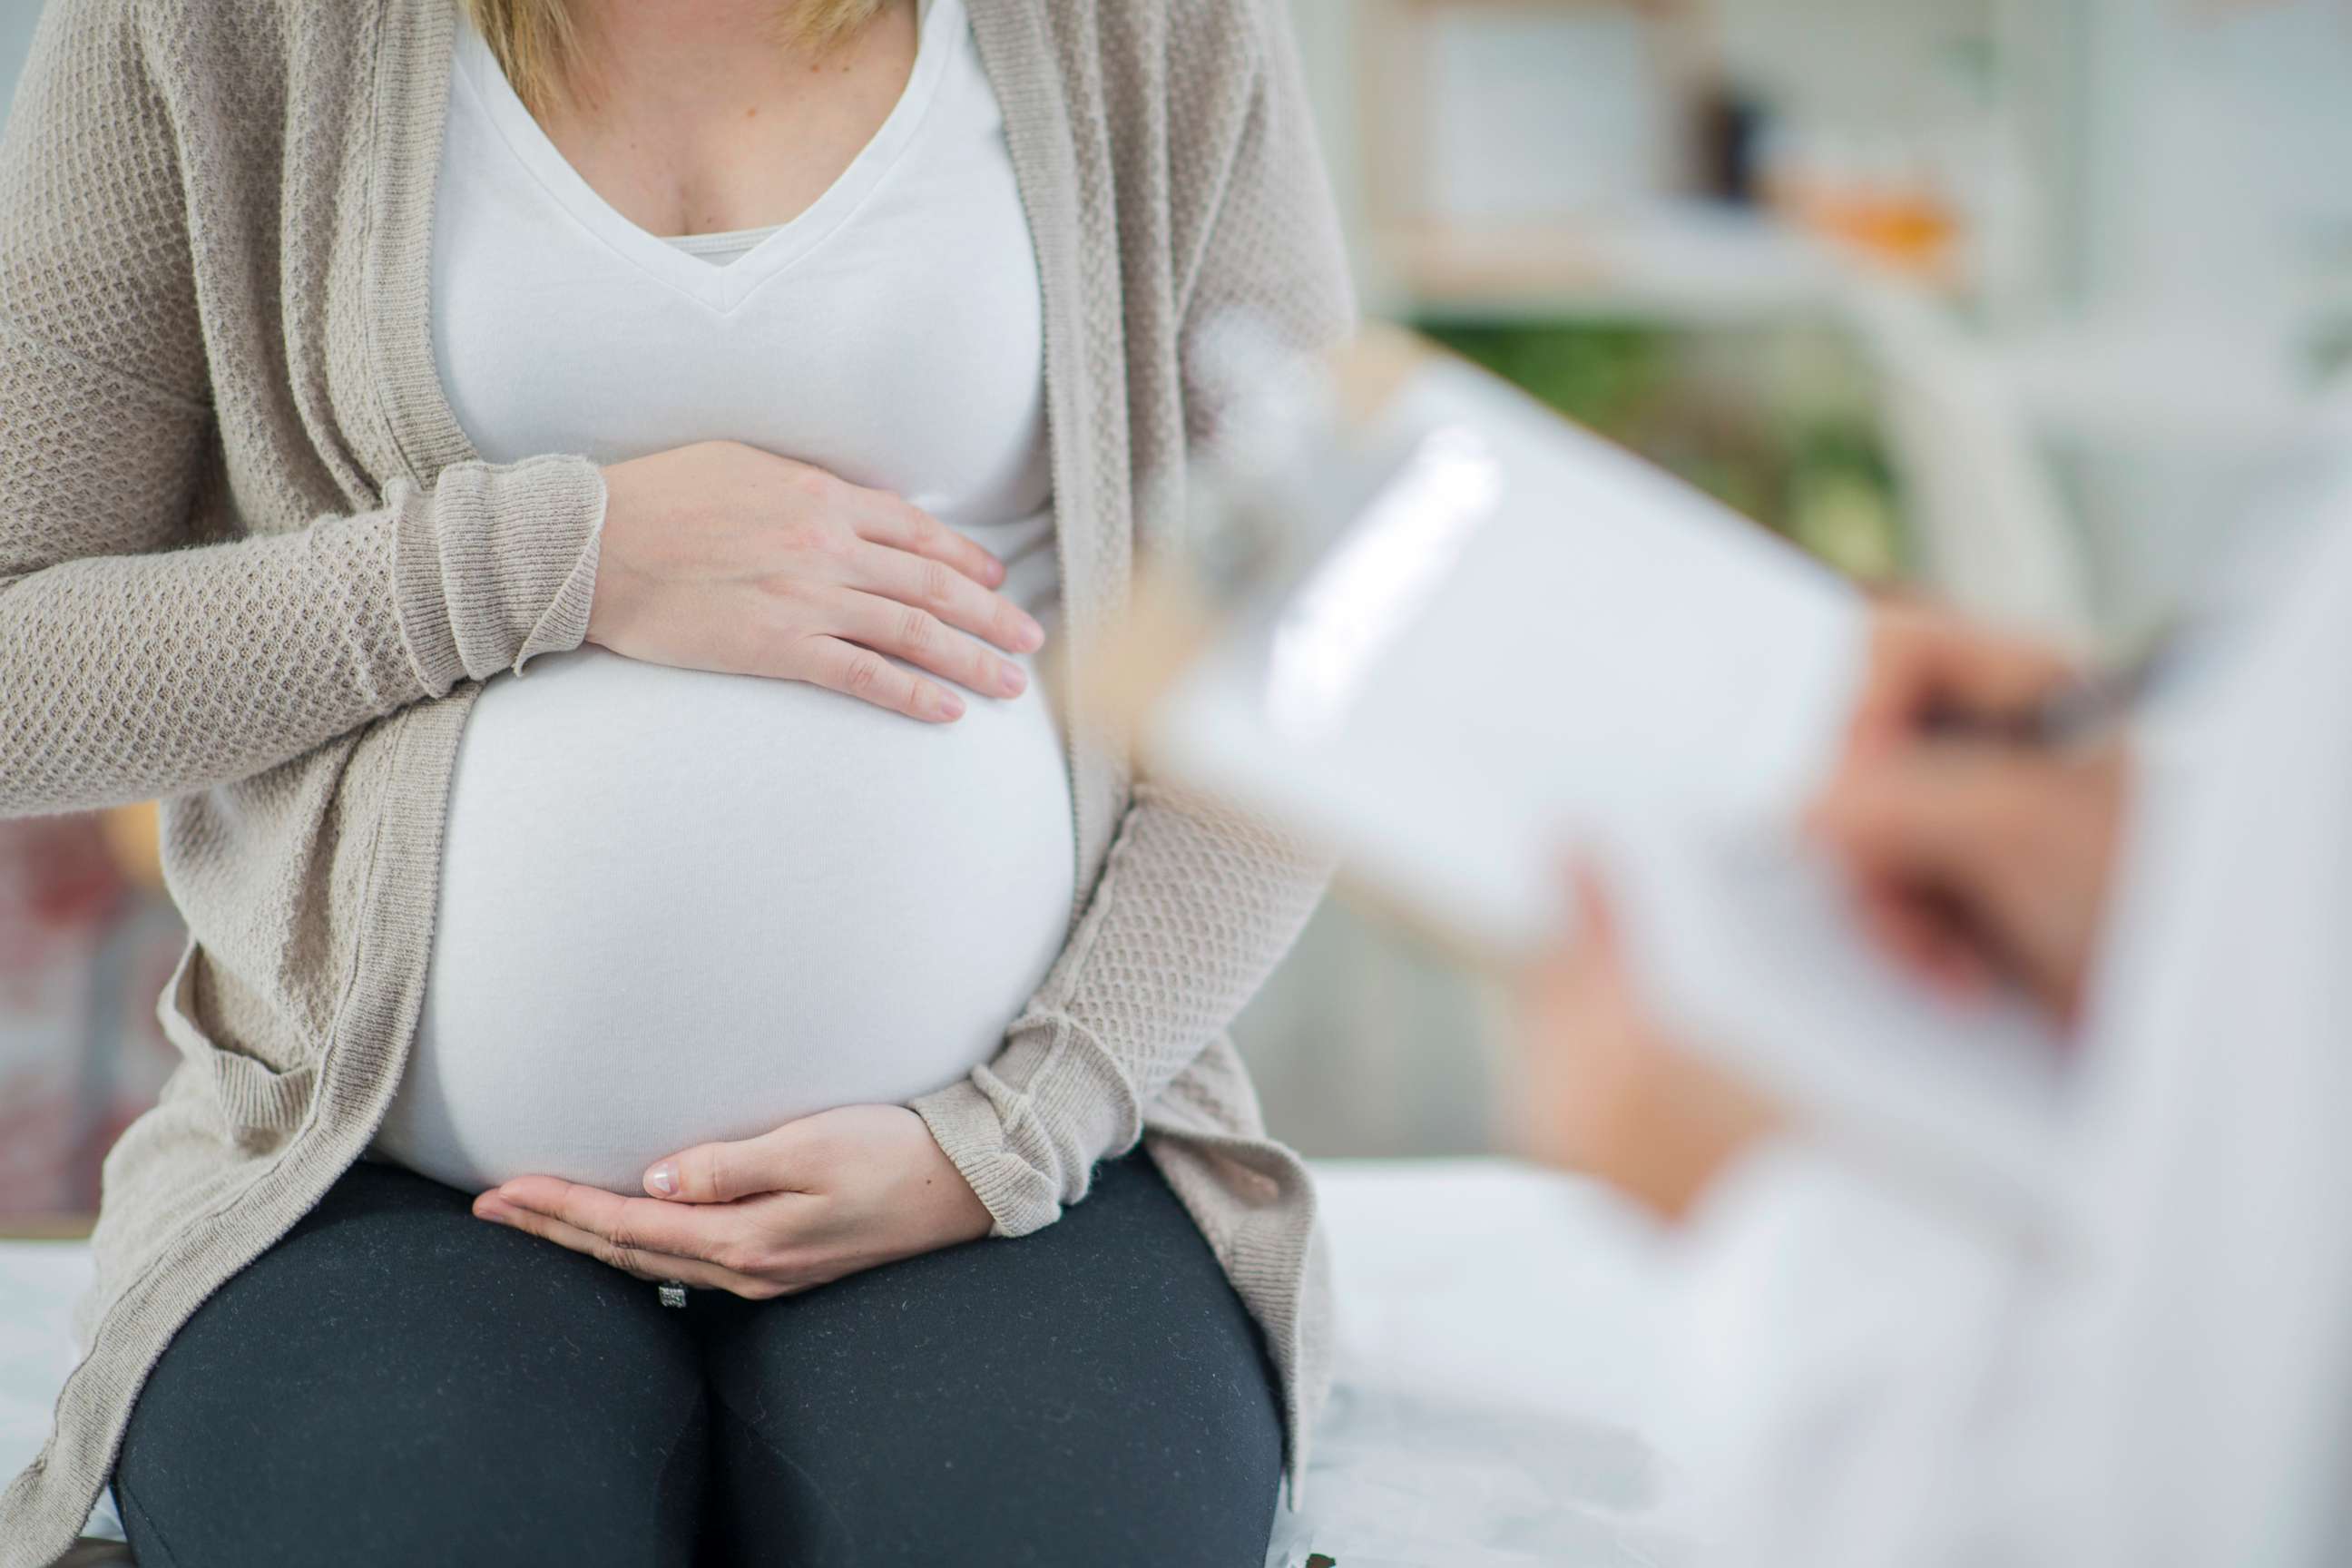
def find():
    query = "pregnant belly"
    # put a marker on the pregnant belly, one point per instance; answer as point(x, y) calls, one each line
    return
point(678, 907)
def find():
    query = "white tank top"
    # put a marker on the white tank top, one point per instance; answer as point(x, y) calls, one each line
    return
point(677, 906)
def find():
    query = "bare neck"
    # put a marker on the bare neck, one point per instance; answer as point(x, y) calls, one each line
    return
point(676, 57)
point(707, 116)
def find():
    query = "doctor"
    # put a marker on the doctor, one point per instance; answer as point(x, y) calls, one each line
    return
point(2158, 1368)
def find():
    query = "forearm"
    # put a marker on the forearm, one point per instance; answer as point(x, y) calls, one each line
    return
point(1195, 907)
point(133, 662)
point(127, 677)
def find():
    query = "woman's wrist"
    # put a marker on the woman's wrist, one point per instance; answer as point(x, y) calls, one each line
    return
point(610, 608)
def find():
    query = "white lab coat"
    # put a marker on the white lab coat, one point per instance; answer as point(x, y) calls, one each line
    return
point(2159, 1369)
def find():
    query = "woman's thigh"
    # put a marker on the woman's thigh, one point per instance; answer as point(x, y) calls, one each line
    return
point(1092, 1393)
point(397, 1382)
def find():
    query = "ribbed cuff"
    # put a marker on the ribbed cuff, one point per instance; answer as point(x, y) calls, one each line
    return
point(1027, 1129)
point(964, 1123)
point(1075, 1106)
point(496, 565)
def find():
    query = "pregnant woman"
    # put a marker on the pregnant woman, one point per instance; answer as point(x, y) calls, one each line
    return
point(577, 506)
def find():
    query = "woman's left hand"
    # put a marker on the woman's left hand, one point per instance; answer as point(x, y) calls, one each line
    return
point(814, 1200)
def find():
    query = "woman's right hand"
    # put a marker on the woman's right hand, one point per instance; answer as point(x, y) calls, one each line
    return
point(721, 557)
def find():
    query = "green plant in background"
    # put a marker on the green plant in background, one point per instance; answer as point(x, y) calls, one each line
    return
point(1598, 374)
point(1775, 423)
point(1842, 501)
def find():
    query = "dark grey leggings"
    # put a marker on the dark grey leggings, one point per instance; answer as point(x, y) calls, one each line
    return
point(398, 1383)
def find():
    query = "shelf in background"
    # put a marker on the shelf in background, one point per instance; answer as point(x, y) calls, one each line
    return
point(1674, 263)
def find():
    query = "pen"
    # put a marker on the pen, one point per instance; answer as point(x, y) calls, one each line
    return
point(2080, 712)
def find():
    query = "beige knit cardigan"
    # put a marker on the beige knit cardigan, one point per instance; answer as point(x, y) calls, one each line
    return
point(249, 563)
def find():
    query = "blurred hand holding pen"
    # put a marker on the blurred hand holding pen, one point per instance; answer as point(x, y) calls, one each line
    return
point(1976, 807)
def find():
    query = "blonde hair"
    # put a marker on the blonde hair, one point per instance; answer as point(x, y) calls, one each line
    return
point(537, 44)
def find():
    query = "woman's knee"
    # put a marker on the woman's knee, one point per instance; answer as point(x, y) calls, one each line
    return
point(396, 1382)
point(1093, 1395)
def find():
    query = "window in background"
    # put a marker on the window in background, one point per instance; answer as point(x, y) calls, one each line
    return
point(1498, 132)
point(1537, 113)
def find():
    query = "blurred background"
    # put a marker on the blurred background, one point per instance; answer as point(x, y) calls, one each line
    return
point(2012, 299)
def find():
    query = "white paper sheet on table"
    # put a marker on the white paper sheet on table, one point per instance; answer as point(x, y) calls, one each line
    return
point(1499, 1367)
point(39, 1283)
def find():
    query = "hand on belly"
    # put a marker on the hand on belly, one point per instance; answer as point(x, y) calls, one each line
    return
point(815, 1199)
point(721, 557)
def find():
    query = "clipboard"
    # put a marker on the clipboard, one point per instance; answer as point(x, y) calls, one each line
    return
point(1451, 638)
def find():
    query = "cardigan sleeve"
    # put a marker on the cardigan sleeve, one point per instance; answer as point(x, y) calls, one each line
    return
point(1196, 904)
point(136, 662)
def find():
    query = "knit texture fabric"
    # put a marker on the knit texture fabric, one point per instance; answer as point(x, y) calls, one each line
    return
point(249, 563)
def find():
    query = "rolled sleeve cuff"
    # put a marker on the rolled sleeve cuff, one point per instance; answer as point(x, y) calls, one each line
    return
point(495, 566)
point(1026, 1130)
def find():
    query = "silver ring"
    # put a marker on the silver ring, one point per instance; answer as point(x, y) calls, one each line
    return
point(673, 1294)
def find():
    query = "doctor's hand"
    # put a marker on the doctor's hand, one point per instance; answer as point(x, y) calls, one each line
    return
point(1608, 1091)
point(1978, 860)
point(819, 1198)
point(1923, 662)
point(719, 556)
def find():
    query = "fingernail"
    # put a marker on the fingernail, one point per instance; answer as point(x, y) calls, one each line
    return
point(1032, 637)
point(663, 1180)
point(947, 705)
point(1011, 681)
point(492, 1210)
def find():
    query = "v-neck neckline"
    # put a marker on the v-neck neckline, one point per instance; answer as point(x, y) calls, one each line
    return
point(722, 289)
point(415, 59)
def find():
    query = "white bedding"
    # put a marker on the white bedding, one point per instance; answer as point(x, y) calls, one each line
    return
point(1497, 1351)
